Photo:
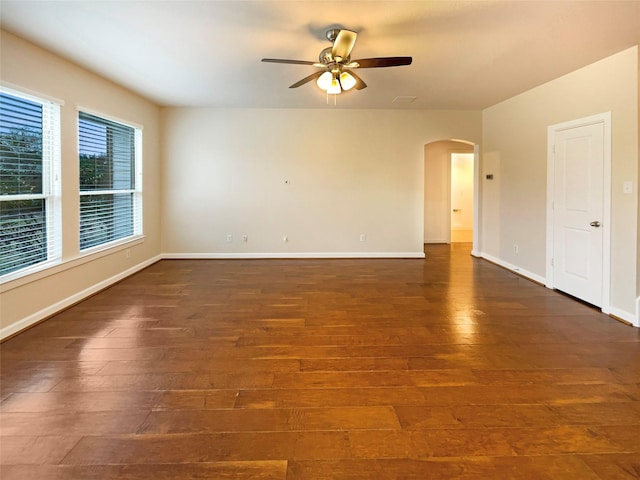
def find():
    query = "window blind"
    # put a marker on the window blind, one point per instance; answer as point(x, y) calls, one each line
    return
point(110, 193)
point(30, 218)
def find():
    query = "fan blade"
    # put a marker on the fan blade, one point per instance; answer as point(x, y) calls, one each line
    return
point(313, 76)
point(294, 62)
point(343, 44)
point(359, 82)
point(382, 62)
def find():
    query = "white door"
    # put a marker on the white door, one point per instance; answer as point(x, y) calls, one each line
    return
point(578, 211)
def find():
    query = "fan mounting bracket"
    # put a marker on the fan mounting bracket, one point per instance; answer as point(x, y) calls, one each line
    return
point(332, 34)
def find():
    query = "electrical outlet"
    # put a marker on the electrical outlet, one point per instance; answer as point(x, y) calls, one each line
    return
point(363, 237)
point(229, 238)
point(245, 239)
point(515, 248)
point(285, 238)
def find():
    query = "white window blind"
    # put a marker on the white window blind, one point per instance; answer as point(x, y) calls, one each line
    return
point(30, 218)
point(110, 186)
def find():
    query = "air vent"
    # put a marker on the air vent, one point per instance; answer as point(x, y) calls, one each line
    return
point(404, 99)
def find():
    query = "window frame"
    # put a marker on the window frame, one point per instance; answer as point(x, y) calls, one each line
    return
point(136, 192)
point(51, 181)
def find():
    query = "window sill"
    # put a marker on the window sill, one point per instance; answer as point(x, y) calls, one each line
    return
point(47, 269)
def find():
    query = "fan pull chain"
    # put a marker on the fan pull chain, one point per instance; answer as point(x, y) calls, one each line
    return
point(335, 99)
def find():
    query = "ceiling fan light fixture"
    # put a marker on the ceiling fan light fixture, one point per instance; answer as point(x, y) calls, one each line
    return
point(324, 80)
point(336, 74)
point(347, 81)
point(334, 88)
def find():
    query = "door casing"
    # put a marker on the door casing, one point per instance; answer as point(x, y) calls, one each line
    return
point(605, 120)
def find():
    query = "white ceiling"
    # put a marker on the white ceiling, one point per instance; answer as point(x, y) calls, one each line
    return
point(466, 54)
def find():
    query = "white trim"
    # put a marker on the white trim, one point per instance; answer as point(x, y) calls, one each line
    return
point(30, 94)
point(88, 193)
point(633, 319)
point(463, 141)
point(605, 119)
point(51, 164)
point(284, 255)
point(513, 268)
point(103, 249)
point(28, 275)
point(624, 315)
point(106, 116)
point(69, 301)
point(135, 192)
point(448, 186)
point(73, 299)
point(475, 247)
point(549, 211)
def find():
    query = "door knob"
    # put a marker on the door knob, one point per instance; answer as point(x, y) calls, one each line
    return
point(595, 224)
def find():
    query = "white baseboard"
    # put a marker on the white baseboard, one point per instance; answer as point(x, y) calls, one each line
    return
point(294, 255)
point(73, 299)
point(520, 271)
point(624, 315)
point(67, 302)
point(632, 318)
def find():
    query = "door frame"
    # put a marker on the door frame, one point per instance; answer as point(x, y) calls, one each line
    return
point(450, 191)
point(475, 248)
point(446, 207)
point(604, 119)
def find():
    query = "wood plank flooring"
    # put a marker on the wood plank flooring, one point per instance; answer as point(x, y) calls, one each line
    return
point(444, 368)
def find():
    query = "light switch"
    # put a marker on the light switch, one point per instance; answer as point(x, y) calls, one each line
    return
point(627, 187)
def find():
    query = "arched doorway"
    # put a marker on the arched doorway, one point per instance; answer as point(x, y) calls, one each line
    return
point(439, 215)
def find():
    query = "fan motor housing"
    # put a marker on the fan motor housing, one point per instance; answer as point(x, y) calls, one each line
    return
point(326, 56)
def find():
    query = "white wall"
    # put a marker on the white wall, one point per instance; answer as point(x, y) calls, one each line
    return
point(351, 172)
point(514, 150)
point(32, 298)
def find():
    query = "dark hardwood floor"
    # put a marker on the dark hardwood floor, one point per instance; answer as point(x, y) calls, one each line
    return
point(444, 368)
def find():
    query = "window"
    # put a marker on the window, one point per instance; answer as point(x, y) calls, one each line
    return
point(110, 186)
point(30, 234)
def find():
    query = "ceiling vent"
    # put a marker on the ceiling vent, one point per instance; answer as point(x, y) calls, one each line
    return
point(404, 99)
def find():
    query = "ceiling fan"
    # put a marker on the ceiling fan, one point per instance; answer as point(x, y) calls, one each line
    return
point(336, 74)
